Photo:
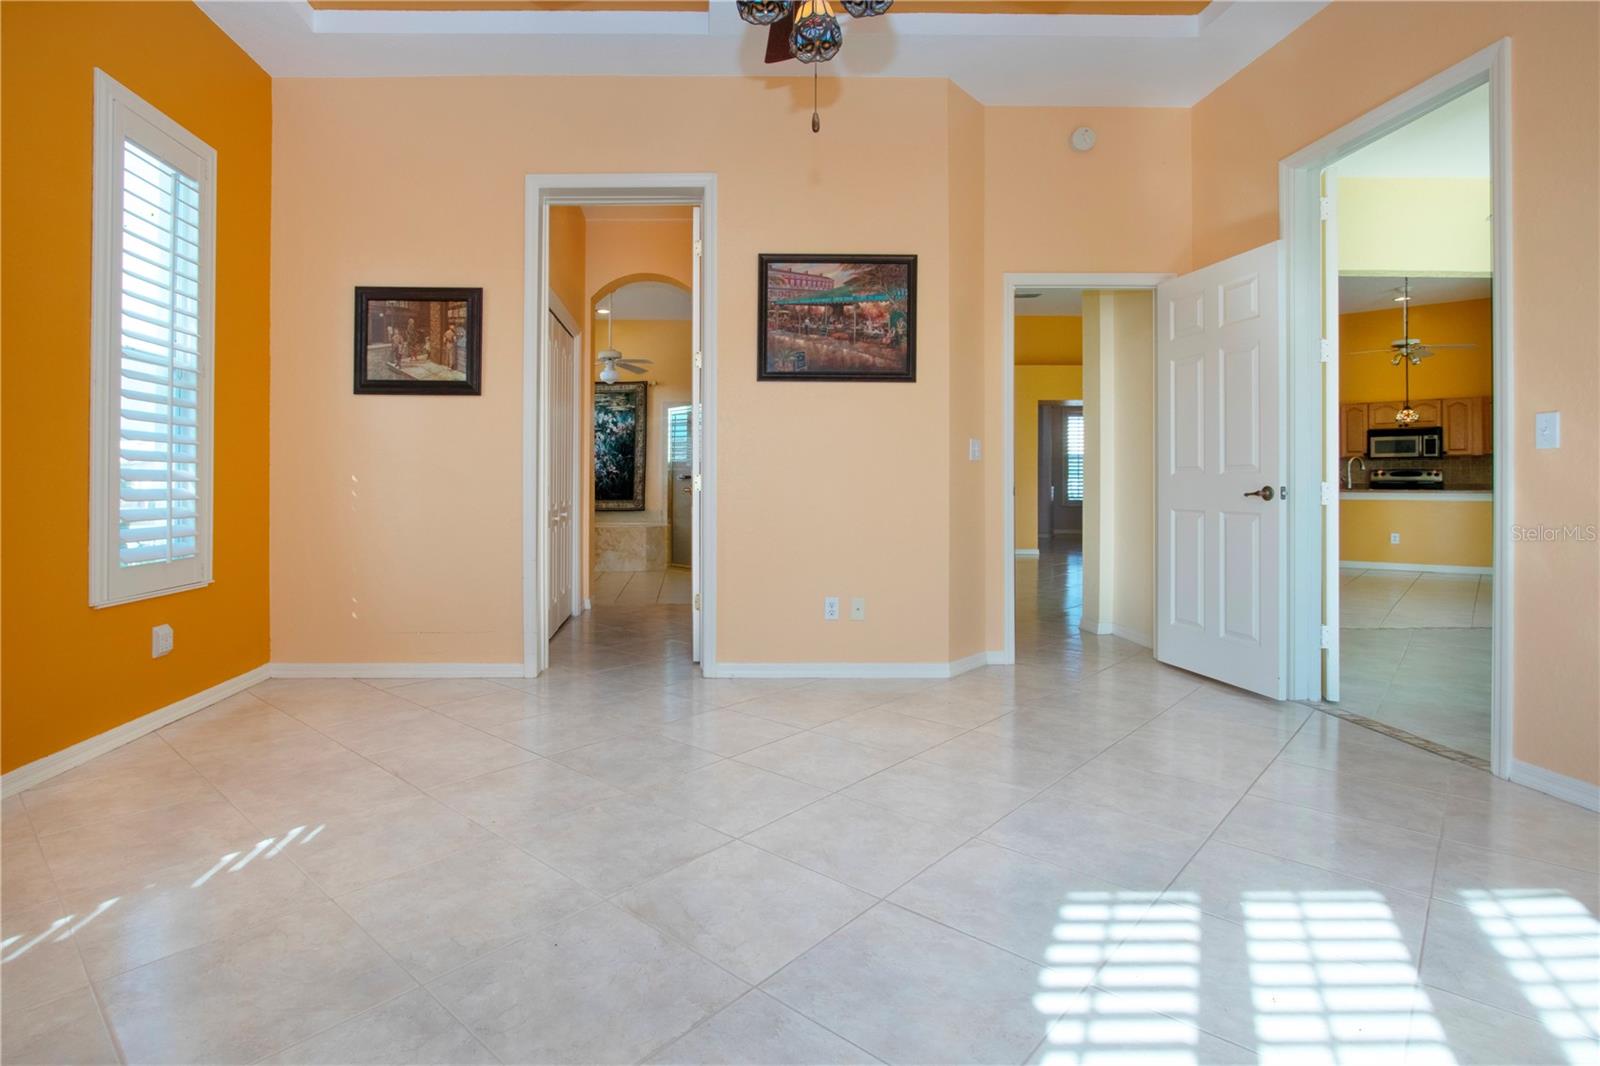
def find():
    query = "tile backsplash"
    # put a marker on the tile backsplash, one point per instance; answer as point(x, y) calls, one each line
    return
point(1461, 472)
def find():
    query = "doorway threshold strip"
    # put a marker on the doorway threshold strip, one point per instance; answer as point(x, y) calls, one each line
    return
point(1401, 735)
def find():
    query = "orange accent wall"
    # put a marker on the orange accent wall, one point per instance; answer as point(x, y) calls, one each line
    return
point(73, 672)
point(1446, 373)
point(1342, 63)
point(569, 259)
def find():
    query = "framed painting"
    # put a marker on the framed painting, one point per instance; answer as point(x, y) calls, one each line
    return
point(837, 318)
point(420, 342)
point(619, 441)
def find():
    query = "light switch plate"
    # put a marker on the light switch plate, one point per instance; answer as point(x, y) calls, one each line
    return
point(974, 449)
point(1547, 429)
point(160, 641)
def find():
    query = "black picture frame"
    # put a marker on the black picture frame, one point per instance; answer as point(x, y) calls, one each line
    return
point(877, 340)
point(621, 430)
point(377, 369)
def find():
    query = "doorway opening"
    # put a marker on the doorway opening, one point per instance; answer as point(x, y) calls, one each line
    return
point(1398, 232)
point(1077, 406)
point(619, 400)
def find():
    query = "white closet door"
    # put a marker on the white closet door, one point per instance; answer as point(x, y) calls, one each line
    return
point(563, 480)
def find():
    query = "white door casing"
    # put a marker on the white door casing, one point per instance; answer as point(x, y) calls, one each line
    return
point(696, 426)
point(563, 480)
point(1220, 551)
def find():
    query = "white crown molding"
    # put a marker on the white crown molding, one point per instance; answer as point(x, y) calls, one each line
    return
point(1001, 60)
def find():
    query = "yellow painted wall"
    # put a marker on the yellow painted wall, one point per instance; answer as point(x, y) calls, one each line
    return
point(1453, 372)
point(73, 672)
point(1415, 226)
point(1432, 532)
point(1036, 385)
point(1049, 340)
point(569, 259)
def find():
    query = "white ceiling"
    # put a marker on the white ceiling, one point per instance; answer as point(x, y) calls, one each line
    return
point(649, 299)
point(1052, 302)
point(1451, 141)
point(1376, 294)
point(1058, 60)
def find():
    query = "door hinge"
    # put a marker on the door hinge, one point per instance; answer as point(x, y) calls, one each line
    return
point(1327, 636)
point(697, 483)
point(1324, 354)
point(1327, 493)
point(1324, 208)
point(697, 605)
point(698, 247)
point(697, 360)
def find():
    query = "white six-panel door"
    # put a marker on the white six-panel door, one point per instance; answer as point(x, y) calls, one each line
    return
point(1220, 516)
point(563, 477)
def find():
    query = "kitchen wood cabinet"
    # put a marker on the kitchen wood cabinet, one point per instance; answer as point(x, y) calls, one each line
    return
point(1463, 425)
point(1353, 431)
point(1381, 415)
point(1467, 423)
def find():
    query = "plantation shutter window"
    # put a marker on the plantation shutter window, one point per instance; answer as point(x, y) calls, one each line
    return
point(677, 434)
point(151, 419)
point(1073, 453)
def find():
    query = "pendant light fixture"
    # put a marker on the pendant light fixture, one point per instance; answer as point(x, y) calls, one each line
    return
point(1407, 414)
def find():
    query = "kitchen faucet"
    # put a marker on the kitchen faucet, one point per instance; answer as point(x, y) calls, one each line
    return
point(1349, 475)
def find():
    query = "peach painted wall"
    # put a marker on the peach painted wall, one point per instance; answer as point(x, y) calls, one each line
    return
point(966, 386)
point(1347, 60)
point(1123, 207)
point(397, 529)
point(73, 672)
point(569, 259)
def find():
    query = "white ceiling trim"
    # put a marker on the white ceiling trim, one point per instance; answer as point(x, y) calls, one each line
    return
point(1001, 60)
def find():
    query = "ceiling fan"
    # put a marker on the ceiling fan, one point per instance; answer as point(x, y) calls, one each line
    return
point(806, 30)
point(609, 359)
point(1408, 347)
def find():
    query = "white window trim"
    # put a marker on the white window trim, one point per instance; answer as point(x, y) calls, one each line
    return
point(119, 113)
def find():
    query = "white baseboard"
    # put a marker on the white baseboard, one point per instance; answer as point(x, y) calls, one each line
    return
point(1141, 639)
point(41, 770)
point(856, 670)
point(1025, 553)
point(1562, 787)
point(1424, 568)
point(396, 669)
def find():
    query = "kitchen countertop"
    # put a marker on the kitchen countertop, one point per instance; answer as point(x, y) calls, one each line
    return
point(1437, 495)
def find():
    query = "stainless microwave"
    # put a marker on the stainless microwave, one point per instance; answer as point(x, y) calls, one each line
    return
point(1425, 443)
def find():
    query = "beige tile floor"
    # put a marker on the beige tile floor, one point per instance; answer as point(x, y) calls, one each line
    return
point(1087, 857)
point(640, 588)
point(1415, 653)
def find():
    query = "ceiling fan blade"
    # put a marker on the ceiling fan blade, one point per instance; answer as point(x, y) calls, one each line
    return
point(778, 48)
point(632, 368)
point(1438, 347)
point(1373, 351)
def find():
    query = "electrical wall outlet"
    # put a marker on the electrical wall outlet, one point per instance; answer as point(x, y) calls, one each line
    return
point(858, 609)
point(1394, 538)
point(830, 608)
point(160, 641)
point(974, 449)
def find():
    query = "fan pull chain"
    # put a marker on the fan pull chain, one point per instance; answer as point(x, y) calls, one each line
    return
point(816, 119)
